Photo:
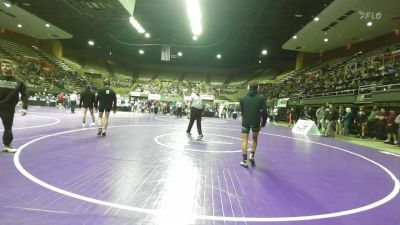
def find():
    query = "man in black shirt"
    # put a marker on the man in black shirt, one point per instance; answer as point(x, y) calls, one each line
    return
point(87, 100)
point(106, 100)
point(10, 88)
point(331, 118)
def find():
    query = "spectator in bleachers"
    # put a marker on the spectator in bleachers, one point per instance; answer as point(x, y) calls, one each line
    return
point(381, 124)
point(331, 118)
point(361, 122)
point(391, 128)
point(340, 122)
point(397, 121)
point(371, 122)
point(347, 121)
point(319, 114)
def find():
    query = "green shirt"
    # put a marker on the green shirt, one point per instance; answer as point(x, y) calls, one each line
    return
point(253, 108)
point(373, 114)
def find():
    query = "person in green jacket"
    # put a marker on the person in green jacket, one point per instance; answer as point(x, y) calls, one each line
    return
point(253, 108)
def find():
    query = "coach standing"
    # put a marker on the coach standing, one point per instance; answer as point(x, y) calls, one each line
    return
point(10, 88)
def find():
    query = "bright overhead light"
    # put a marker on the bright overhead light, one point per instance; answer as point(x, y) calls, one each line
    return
point(369, 23)
point(91, 43)
point(47, 25)
point(195, 37)
point(194, 13)
point(326, 40)
point(110, 53)
point(219, 56)
point(147, 35)
point(316, 19)
point(180, 54)
point(8, 5)
point(295, 37)
point(19, 25)
point(259, 61)
point(264, 52)
point(141, 52)
point(136, 25)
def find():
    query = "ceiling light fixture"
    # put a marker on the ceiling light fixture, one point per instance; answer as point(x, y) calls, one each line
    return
point(326, 40)
point(195, 38)
point(8, 5)
point(219, 56)
point(316, 19)
point(180, 54)
point(47, 25)
point(136, 25)
point(369, 23)
point(147, 35)
point(141, 52)
point(295, 37)
point(264, 52)
point(19, 25)
point(194, 13)
point(259, 61)
point(91, 43)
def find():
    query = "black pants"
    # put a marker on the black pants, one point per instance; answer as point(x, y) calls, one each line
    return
point(7, 117)
point(371, 128)
point(179, 112)
point(73, 106)
point(195, 114)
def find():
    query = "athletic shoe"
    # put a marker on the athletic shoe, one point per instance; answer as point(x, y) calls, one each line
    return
point(200, 136)
point(188, 133)
point(395, 142)
point(387, 141)
point(104, 133)
point(83, 125)
point(99, 132)
point(244, 164)
point(9, 148)
point(251, 159)
point(92, 124)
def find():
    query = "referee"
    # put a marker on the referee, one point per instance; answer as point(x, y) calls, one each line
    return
point(196, 109)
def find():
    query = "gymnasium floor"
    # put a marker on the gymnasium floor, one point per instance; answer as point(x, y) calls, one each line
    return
point(147, 171)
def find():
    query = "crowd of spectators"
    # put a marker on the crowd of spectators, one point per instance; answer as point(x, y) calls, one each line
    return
point(373, 122)
point(39, 74)
point(176, 88)
point(380, 69)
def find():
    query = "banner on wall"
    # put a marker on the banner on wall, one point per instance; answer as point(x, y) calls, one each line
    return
point(207, 97)
point(154, 97)
point(135, 94)
point(282, 103)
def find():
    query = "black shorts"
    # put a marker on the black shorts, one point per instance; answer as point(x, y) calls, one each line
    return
point(104, 109)
point(246, 129)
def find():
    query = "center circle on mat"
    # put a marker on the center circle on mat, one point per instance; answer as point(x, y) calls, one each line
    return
point(180, 143)
point(390, 196)
point(173, 119)
point(55, 121)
